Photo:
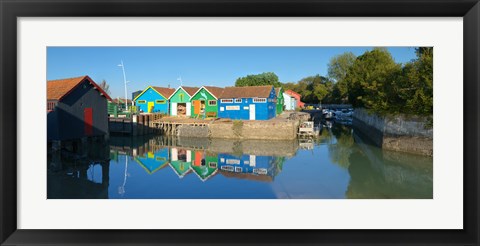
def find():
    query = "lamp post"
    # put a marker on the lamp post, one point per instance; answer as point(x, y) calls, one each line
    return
point(125, 82)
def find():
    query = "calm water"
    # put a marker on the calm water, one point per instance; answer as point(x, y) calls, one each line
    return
point(338, 165)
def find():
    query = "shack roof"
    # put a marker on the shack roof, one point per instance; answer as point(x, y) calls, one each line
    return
point(247, 91)
point(190, 90)
point(215, 91)
point(121, 100)
point(58, 89)
point(292, 93)
point(278, 90)
point(164, 91)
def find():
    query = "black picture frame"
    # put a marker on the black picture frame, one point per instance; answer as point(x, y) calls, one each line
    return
point(10, 10)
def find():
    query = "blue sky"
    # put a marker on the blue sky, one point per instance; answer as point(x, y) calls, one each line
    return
point(197, 66)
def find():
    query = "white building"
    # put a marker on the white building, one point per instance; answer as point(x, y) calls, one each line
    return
point(289, 101)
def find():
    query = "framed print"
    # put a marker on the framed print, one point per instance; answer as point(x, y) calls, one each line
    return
point(223, 122)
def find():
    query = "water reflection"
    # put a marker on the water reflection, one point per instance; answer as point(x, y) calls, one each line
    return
point(339, 164)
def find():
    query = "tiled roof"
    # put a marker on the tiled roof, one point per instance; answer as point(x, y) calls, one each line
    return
point(290, 92)
point(247, 92)
point(215, 91)
point(277, 91)
point(166, 92)
point(58, 89)
point(190, 90)
point(121, 100)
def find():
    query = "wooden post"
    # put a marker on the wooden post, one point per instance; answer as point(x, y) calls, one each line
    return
point(134, 129)
point(149, 125)
point(106, 173)
point(140, 124)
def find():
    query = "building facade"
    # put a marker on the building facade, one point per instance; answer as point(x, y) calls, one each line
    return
point(289, 102)
point(297, 97)
point(154, 100)
point(180, 101)
point(76, 108)
point(204, 102)
point(248, 103)
point(280, 100)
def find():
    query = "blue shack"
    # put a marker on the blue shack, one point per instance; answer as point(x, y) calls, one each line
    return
point(248, 103)
point(260, 168)
point(153, 161)
point(154, 100)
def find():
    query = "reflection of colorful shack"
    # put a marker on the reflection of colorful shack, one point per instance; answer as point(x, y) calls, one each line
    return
point(247, 164)
point(202, 163)
point(180, 161)
point(205, 164)
point(153, 162)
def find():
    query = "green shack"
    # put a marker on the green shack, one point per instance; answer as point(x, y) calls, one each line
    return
point(204, 102)
point(180, 161)
point(180, 101)
point(279, 91)
point(205, 164)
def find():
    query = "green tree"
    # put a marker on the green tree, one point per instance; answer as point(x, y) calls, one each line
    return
point(369, 79)
point(338, 67)
point(268, 78)
point(314, 89)
point(414, 90)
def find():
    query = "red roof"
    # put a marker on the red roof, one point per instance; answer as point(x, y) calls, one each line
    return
point(190, 90)
point(58, 89)
point(297, 96)
point(247, 91)
point(166, 92)
point(290, 92)
point(215, 91)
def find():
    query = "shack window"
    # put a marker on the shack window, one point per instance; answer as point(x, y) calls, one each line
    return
point(260, 100)
point(238, 100)
point(226, 100)
point(212, 103)
point(51, 106)
point(212, 165)
point(141, 101)
point(160, 101)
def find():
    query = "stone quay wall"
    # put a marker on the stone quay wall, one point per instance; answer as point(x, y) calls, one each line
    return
point(398, 133)
point(261, 130)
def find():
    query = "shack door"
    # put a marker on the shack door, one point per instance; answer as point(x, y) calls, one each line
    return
point(252, 111)
point(196, 106)
point(88, 119)
point(174, 109)
point(150, 106)
point(189, 109)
